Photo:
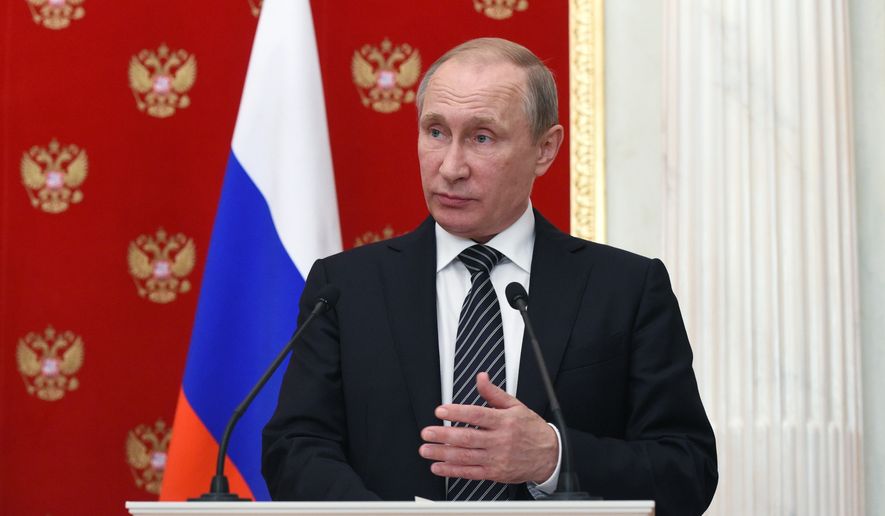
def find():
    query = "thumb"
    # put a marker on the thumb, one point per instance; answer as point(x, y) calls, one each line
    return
point(496, 396)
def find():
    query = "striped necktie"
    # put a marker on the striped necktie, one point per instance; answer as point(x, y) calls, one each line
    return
point(479, 347)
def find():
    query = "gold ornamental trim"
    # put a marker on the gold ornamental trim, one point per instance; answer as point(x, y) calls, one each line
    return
point(160, 264)
point(48, 362)
point(161, 79)
point(56, 14)
point(385, 76)
point(52, 175)
point(146, 451)
point(500, 9)
point(587, 119)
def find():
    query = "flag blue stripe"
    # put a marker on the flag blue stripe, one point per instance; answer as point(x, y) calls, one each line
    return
point(247, 311)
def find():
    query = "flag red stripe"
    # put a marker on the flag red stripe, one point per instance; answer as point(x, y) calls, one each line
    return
point(192, 455)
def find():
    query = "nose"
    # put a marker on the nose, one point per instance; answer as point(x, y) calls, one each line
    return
point(454, 164)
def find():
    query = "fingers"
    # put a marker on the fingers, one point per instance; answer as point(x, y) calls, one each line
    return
point(457, 471)
point(504, 441)
point(494, 395)
point(454, 454)
point(452, 461)
point(475, 415)
point(456, 436)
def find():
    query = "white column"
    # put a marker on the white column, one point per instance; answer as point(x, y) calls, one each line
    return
point(760, 239)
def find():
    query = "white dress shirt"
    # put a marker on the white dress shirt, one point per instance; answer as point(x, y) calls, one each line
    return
point(516, 243)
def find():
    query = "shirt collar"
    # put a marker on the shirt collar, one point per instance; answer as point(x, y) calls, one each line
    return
point(516, 242)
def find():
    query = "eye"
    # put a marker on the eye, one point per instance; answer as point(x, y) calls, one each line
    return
point(483, 138)
point(435, 133)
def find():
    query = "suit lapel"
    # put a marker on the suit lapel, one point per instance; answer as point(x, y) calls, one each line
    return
point(409, 279)
point(558, 280)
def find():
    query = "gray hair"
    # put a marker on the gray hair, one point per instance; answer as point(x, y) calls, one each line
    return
point(541, 103)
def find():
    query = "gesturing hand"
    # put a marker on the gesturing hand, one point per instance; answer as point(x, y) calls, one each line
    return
point(512, 444)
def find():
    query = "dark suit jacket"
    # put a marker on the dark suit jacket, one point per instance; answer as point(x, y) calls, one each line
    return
point(365, 379)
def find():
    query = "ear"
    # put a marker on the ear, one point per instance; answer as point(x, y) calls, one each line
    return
point(548, 148)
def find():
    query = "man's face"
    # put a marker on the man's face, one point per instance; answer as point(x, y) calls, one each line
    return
point(478, 159)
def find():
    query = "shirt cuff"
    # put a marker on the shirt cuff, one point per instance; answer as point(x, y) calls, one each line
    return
point(548, 486)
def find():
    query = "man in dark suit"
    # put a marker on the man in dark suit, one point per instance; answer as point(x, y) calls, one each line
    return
point(419, 383)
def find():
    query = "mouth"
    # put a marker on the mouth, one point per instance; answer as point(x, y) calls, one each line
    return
point(452, 201)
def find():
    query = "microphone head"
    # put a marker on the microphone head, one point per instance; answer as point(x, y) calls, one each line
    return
point(516, 295)
point(328, 296)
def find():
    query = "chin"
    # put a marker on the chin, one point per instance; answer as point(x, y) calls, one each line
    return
point(457, 225)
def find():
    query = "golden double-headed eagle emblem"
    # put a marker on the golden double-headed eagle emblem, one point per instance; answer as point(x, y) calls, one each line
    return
point(384, 76)
point(160, 264)
point(370, 237)
point(160, 80)
point(146, 448)
point(56, 14)
point(48, 362)
point(500, 9)
point(52, 175)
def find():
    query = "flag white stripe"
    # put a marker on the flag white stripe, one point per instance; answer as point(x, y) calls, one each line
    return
point(283, 102)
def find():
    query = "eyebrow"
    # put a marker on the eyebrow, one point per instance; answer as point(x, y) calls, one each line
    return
point(432, 118)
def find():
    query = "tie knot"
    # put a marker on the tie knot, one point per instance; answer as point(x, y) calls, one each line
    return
point(480, 258)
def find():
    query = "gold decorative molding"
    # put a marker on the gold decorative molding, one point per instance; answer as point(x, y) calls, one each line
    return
point(587, 119)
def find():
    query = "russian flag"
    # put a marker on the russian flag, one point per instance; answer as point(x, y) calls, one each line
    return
point(277, 214)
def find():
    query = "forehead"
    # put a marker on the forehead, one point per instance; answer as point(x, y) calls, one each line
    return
point(476, 85)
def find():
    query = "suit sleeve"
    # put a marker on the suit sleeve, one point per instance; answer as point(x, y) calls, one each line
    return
point(669, 451)
point(303, 445)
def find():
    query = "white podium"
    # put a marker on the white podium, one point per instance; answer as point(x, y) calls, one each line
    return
point(598, 508)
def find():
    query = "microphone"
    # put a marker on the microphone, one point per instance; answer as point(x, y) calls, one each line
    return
point(219, 489)
point(518, 299)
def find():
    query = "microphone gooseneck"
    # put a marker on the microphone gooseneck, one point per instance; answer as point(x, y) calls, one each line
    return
point(219, 490)
point(518, 299)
